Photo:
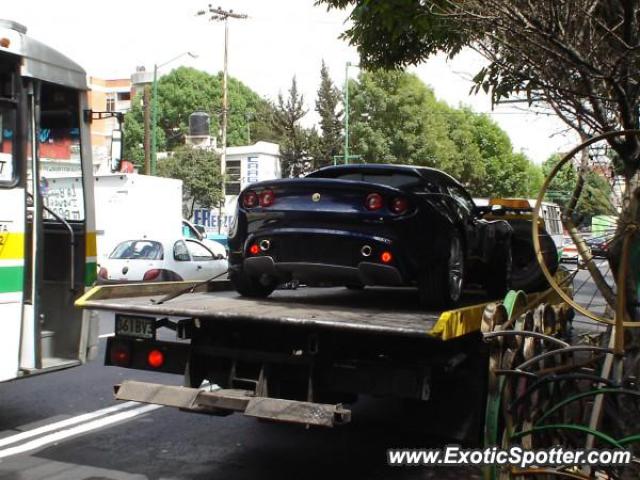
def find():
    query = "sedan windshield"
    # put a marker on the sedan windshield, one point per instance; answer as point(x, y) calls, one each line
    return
point(138, 250)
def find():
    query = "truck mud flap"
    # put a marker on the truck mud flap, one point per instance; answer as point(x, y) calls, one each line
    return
point(243, 401)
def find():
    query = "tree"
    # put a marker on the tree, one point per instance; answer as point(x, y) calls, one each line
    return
point(199, 171)
point(397, 119)
point(327, 103)
point(578, 57)
point(294, 138)
point(186, 90)
point(596, 197)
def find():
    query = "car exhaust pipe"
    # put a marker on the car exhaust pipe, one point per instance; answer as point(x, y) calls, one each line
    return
point(265, 245)
point(366, 251)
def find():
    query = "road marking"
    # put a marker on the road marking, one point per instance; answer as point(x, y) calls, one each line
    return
point(65, 423)
point(105, 335)
point(89, 422)
point(78, 430)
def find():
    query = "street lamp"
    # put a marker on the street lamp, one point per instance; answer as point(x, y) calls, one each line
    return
point(346, 110)
point(154, 106)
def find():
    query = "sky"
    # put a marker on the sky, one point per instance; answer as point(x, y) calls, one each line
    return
point(279, 39)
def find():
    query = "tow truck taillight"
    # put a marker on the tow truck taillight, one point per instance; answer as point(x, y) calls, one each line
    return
point(152, 274)
point(399, 205)
point(249, 199)
point(120, 355)
point(155, 358)
point(103, 273)
point(373, 201)
point(267, 197)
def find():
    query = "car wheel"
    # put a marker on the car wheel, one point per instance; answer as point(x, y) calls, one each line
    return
point(248, 286)
point(498, 280)
point(527, 274)
point(442, 282)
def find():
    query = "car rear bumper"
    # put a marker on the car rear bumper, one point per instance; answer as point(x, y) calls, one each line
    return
point(365, 273)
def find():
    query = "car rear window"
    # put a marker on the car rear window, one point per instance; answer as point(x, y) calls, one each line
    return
point(138, 250)
point(391, 179)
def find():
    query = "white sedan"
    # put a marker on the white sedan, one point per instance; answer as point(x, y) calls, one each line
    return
point(162, 260)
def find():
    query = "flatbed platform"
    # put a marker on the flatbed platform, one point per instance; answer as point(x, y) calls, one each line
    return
point(392, 311)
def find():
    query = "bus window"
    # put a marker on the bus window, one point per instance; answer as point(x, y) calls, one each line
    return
point(59, 144)
point(7, 160)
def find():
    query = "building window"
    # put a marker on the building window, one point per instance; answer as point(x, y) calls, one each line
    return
point(124, 96)
point(232, 168)
point(232, 188)
point(111, 102)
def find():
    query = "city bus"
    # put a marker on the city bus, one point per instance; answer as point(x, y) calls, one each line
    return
point(47, 235)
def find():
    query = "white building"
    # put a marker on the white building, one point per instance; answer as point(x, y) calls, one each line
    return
point(244, 165)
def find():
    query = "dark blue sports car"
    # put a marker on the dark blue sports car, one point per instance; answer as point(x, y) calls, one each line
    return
point(375, 224)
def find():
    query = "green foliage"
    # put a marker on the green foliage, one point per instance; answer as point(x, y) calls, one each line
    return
point(397, 119)
point(575, 56)
point(393, 33)
point(595, 198)
point(329, 98)
point(133, 132)
point(186, 90)
point(294, 139)
point(199, 171)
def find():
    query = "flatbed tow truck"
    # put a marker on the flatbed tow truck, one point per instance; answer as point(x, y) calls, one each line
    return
point(302, 356)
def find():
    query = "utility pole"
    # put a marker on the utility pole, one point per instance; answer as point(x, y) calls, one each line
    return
point(218, 14)
point(346, 112)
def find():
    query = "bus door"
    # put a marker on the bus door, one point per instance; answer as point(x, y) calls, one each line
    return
point(12, 216)
point(53, 332)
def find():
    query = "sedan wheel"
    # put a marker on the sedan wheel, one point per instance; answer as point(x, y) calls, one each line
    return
point(456, 269)
point(442, 282)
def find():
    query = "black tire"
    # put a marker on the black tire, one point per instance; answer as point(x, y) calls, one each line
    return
point(499, 272)
point(527, 274)
point(248, 286)
point(441, 284)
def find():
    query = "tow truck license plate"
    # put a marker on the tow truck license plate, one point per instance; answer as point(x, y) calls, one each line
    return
point(138, 327)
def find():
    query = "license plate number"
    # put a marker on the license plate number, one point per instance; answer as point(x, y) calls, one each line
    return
point(138, 327)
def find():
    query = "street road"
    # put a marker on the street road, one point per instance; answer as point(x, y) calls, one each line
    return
point(41, 436)
point(66, 426)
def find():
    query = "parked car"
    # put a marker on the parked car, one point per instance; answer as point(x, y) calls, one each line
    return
point(161, 260)
point(375, 224)
point(599, 245)
point(569, 250)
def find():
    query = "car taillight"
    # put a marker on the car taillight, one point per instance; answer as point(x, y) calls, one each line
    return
point(155, 358)
point(267, 197)
point(254, 249)
point(103, 273)
point(386, 257)
point(120, 355)
point(373, 201)
point(249, 199)
point(399, 205)
point(151, 274)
